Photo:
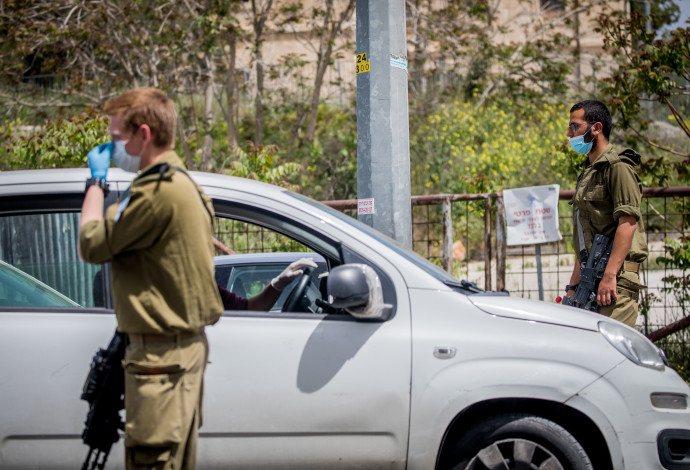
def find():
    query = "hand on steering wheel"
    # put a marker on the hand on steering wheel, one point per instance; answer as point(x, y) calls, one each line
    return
point(296, 297)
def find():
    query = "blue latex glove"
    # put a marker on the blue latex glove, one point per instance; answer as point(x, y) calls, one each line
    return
point(99, 160)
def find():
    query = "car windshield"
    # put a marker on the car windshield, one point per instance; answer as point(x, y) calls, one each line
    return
point(18, 289)
point(411, 256)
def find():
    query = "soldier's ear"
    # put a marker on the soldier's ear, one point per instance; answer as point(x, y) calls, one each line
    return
point(597, 128)
point(146, 135)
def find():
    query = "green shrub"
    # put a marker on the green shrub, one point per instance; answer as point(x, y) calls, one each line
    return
point(258, 162)
point(461, 149)
point(60, 143)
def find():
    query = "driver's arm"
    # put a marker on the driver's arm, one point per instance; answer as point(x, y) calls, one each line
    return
point(265, 299)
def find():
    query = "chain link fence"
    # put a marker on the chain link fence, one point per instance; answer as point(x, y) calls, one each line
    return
point(465, 234)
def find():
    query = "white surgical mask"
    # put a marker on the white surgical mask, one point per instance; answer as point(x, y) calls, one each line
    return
point(122, 159)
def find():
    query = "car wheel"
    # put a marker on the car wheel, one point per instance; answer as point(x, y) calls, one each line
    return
point(519, 441)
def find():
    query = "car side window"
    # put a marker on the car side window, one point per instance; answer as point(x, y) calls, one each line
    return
point(248, 281)
point(40, 265)
point(245, 280)
point(249, 256)
point(247, 228)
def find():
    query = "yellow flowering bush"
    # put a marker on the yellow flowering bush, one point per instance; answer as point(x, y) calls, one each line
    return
point(460, 149)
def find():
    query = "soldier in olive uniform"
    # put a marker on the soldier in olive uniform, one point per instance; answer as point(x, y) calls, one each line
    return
point(158, 240)
point(607, 202)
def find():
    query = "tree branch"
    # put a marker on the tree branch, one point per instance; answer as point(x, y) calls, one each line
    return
point(660, 147)
point(44, 104)
point(676, 115)
point(550, 25)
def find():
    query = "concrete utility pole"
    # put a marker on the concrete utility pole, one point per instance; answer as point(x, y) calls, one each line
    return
point(383, 137)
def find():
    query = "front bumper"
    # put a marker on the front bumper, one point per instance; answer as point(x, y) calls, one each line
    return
point(674, 448)
point(620, 405)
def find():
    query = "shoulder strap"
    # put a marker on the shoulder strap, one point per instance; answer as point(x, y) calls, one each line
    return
point(632, 155)
point(162, 168)
point(159, 168)
point(203, 202)
point(580, 231)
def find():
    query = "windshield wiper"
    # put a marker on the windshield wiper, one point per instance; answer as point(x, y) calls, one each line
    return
point(466, 285)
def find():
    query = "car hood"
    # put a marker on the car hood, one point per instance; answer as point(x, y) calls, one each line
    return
point(537, 311)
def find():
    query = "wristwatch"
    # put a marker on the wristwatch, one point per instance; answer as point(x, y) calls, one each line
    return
point(100, 182)
point(570, 287)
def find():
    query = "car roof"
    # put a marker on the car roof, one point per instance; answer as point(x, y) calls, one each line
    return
point(222, 188)
point(265, 258)
point(42, 181)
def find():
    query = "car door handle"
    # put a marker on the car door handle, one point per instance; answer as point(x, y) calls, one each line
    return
point(444, 352)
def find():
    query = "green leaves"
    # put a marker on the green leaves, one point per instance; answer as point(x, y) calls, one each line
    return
point(61, 143)
point(257, 162)
point(677, 254)
point(677, 260)
point(649, 69)
point(505, 144)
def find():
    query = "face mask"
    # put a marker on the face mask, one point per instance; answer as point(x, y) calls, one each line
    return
point(122, 159)
point(579, 145)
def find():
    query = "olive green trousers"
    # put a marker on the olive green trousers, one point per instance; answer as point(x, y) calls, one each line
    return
point(625, 308)
point(163, 393)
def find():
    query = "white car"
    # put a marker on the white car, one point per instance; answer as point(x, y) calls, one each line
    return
point(396, 365)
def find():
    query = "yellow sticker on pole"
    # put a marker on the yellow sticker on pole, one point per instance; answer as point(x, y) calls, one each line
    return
point(363, 64)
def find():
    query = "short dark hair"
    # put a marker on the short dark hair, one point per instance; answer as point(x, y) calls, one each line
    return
point(595, 111)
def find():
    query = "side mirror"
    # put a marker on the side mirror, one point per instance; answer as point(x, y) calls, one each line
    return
point(357, 289)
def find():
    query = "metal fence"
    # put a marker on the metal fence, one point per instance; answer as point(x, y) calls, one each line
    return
point(476, 221)
point(465, 234)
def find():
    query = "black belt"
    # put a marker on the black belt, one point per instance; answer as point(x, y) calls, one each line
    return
point(143, 338)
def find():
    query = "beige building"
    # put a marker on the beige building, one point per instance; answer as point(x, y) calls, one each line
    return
point(516, 21)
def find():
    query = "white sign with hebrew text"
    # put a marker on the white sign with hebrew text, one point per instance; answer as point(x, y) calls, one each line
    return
point(532, 215)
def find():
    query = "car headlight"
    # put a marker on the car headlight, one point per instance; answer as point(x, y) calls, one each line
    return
point(632, 345)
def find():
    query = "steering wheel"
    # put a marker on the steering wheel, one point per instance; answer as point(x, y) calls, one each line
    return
point(295, 298)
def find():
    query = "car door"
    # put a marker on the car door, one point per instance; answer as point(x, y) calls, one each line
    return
point(283, 389)
point(53, 318)
point(307, 390)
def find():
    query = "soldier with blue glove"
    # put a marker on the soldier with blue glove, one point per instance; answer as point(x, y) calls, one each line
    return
point(99, 162)
point(158, 239)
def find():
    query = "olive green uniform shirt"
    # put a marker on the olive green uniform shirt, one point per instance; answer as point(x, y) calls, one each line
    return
point(158, 239)
point(606, 190)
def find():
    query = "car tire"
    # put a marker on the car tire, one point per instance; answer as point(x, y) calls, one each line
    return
point(518, 441)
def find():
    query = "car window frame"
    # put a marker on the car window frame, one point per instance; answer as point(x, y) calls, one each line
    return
point(332, 250)
point(51, 203)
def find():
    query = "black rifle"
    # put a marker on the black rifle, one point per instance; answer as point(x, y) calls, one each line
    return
point(104, 391)
point(591, 271)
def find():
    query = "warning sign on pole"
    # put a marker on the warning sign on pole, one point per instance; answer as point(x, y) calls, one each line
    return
point(532, 215)
point(366, 206)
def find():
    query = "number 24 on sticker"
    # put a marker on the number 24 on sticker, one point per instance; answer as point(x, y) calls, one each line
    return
point(363, 64)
